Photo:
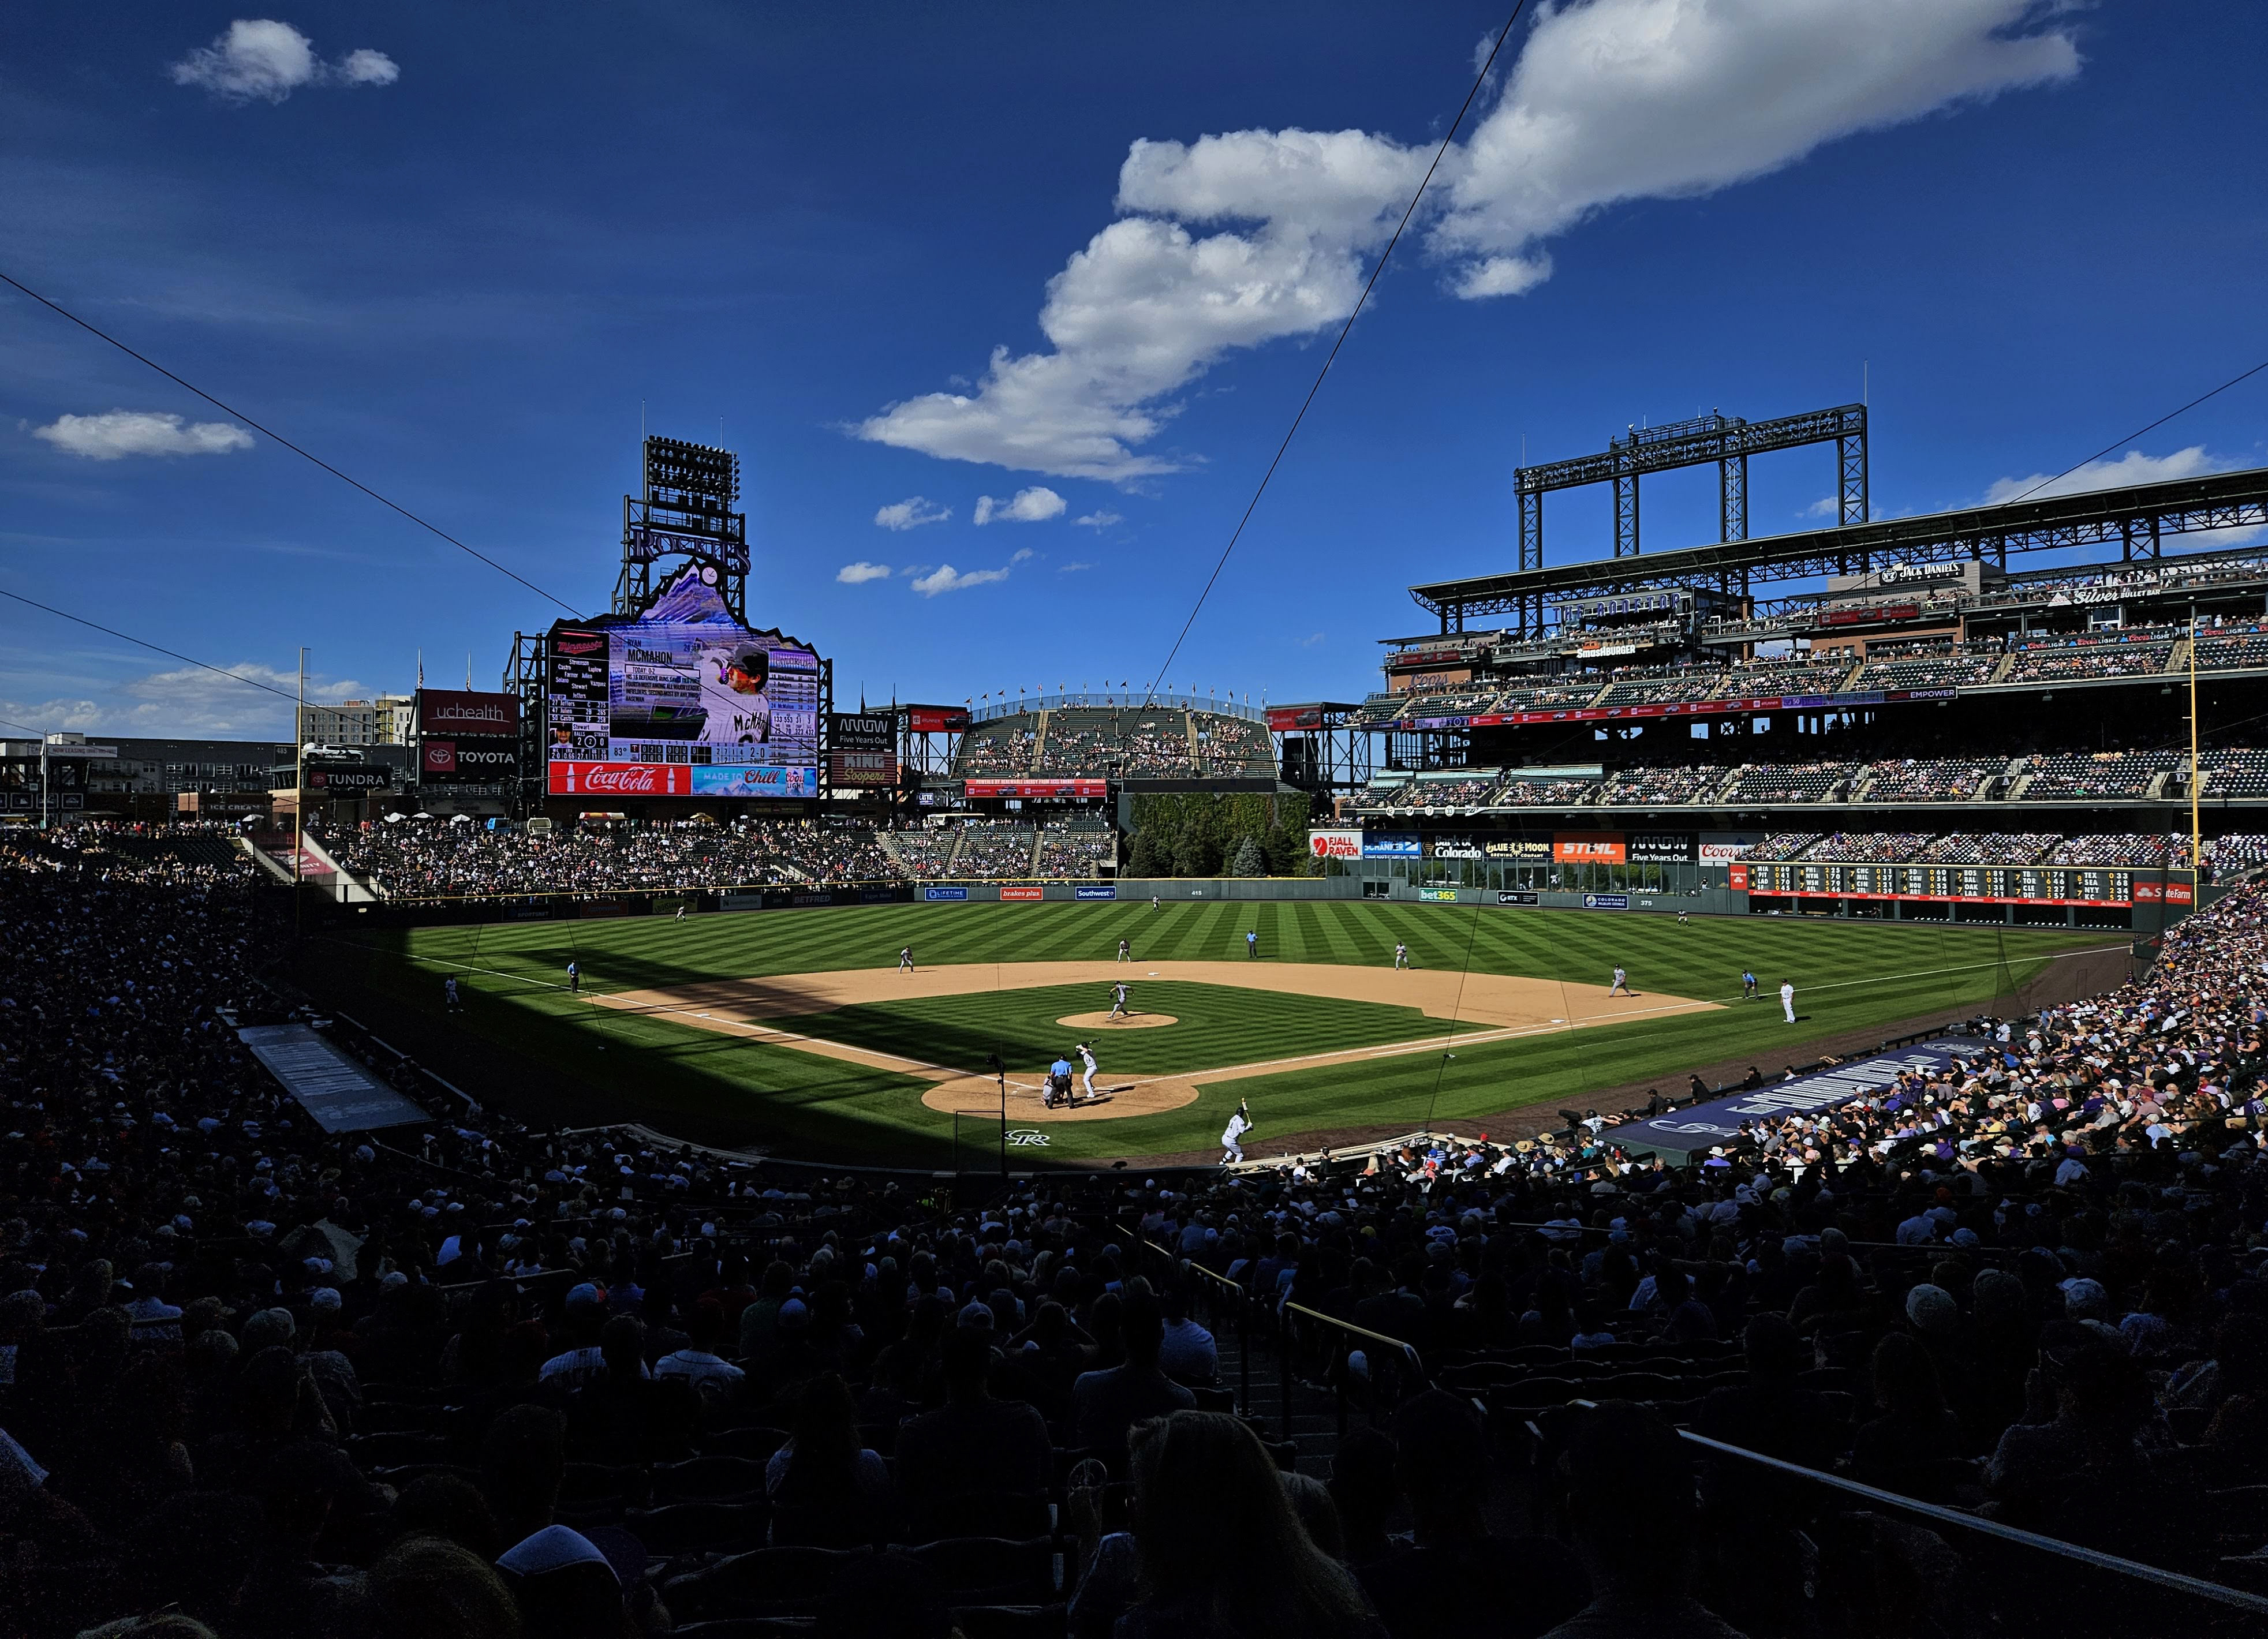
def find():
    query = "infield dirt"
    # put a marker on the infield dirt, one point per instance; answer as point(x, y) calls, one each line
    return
point(1475, 1007)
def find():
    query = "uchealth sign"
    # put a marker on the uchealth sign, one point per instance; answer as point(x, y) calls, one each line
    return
point(1335, 844)
point(621, 779)
point(460, 711)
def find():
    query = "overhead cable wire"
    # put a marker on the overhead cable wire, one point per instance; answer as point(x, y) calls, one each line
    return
point(2138, 431)
point(144, 643)
point(298, 450)
point(1237, 534)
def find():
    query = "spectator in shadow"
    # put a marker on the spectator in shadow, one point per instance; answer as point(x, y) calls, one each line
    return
point(1188, 1355)
point(891, 1596)
point(975, 1445)
point(437, 1590)
point(1364, 1487)
point(826, 1489)
point(1223, 1553)
point(1106, 1404)
point(523, 1456)
point(1634, 1511)
point(1915, 1434)
point(625, 1416)
point(1449, 1584)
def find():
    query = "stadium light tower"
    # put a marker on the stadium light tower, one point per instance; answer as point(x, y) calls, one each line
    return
point(689, 509)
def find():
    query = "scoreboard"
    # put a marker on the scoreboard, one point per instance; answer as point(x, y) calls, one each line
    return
point(2002, 885)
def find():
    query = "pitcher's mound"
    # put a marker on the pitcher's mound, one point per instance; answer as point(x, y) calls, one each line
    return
point(1103, 1021)
point(980, 1095)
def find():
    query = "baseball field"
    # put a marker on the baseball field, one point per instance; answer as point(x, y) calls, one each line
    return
point(801, 1031)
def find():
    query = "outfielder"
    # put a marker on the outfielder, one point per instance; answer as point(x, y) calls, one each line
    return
point(1230, 1136)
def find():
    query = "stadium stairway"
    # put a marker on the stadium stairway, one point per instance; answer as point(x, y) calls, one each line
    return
point(1312, 1422)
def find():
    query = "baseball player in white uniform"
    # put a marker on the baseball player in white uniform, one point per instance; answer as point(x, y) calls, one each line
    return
point(1401, 954)
point(1231, 1134)
point(1622, 981)
point(1787, 998)
point(1118, 1000)
point(1086, 1076)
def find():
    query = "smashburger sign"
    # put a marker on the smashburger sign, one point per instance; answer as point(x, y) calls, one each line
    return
point(621, 779)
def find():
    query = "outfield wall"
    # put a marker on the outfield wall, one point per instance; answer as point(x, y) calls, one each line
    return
point(1707, 900)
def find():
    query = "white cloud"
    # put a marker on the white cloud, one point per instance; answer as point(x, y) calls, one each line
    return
point(262, 59)
point(2133, 468)
point(369, 68)
point(947, 578)
point(1826, 506)
point(1099, 520)
point(187, 701)
point(1310, 640)
point(911, 513)
point(1071, 569)
point(1034, 505)
point(1248, 237)
point(853, 574)
point(1019, 556)
point(118, 433)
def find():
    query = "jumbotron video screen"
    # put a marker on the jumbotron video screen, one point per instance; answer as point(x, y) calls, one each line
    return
point(681, 699)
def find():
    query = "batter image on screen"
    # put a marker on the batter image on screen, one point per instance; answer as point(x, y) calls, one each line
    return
point(686, 673)
point(732, 681)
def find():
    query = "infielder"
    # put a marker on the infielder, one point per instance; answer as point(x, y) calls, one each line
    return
point(906, 960)
point(1118, 1000)
point(1621, 984)
point(1239, 1124)
point(1787, 998)
point(1086, 1076)
point(1126, 950)
point(1401, 954)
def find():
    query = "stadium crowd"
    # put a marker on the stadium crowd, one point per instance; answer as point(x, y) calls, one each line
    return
point(425, 858)
point(470, 1379)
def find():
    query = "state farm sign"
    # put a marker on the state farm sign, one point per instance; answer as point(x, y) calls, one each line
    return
point(621, 779)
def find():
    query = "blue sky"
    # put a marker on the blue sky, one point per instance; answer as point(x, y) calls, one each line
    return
point(1081, 261)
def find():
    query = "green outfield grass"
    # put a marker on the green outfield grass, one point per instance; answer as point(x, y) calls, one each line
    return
point(1847, 974)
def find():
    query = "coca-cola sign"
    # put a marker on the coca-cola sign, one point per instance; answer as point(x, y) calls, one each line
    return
point(621, 779)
